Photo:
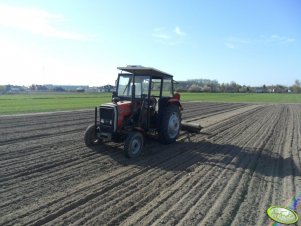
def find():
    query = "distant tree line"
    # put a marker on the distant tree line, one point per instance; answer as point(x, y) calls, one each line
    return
point(7, 89)
point(207, 85)
point(191, 85)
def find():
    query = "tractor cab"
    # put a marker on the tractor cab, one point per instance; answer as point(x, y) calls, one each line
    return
point(143, 103)
point(147, 90)
point(143, 81)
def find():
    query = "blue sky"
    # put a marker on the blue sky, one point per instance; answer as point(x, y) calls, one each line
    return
point(82, 42)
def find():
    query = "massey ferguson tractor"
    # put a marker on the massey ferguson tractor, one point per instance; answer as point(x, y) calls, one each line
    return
point(144, 104)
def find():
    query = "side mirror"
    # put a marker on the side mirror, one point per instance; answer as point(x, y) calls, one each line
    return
point(114, 94)
point(115, 100)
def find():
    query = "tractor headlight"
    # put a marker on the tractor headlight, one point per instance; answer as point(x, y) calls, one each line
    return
point(110, 122)
point(102, 121)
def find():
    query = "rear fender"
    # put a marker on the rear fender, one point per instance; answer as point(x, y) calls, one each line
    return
point(175, 102)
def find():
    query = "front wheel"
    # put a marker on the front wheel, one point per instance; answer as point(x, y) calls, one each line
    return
point(90, 136)
point(133, 145)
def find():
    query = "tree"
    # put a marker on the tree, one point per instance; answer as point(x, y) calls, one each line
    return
point(296, 88)
point(214, 86)
point(243, 89)
point(232, 87)
point(223, 87)
point(8, 88)
point(194, 88)
point(59, 89)
point(2, 89)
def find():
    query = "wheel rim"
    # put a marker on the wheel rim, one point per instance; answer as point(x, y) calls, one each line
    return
point(136, 145)
point(93, 138)
point(173, 125)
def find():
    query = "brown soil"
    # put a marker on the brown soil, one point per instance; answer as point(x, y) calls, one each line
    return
point(247, 158)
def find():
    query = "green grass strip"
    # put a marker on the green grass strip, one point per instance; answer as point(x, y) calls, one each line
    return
point(243, 97)
point(44, 102)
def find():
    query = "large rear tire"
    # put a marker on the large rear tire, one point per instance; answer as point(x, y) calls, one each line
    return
point(170, 124)
point(89, 137)
point(133, 145)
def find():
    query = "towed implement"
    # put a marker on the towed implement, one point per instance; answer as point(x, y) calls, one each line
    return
point(144, 103)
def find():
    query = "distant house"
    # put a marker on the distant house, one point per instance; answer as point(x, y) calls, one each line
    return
point(69, 88)
point(92, 90)
point(280, 89)
point(107, 89)
point(74, 88)
point(259, 90)
point(80, 90)
point(14, 90)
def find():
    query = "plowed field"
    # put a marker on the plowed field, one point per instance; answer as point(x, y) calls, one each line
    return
point(247, 158)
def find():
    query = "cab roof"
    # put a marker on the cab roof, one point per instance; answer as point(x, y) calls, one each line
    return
point(140, 70)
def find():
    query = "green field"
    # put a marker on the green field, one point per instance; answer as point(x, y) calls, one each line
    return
point(243, 97)
point(44, 102)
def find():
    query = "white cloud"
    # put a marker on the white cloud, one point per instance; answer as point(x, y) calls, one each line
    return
point(178, 31)
point(281, 39)
point(161, 36)
point(35, 21)
point(236, 42)
point(160, 33)
point(168, 37)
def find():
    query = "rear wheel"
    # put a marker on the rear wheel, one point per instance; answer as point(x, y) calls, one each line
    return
point(133, 145)
point(170, 124)
point(90, 136)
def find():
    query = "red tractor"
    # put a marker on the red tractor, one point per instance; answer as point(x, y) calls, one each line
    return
point(144, 103)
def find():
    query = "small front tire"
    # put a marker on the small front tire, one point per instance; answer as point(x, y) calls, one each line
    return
point(90, 136)
point(133, 145)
